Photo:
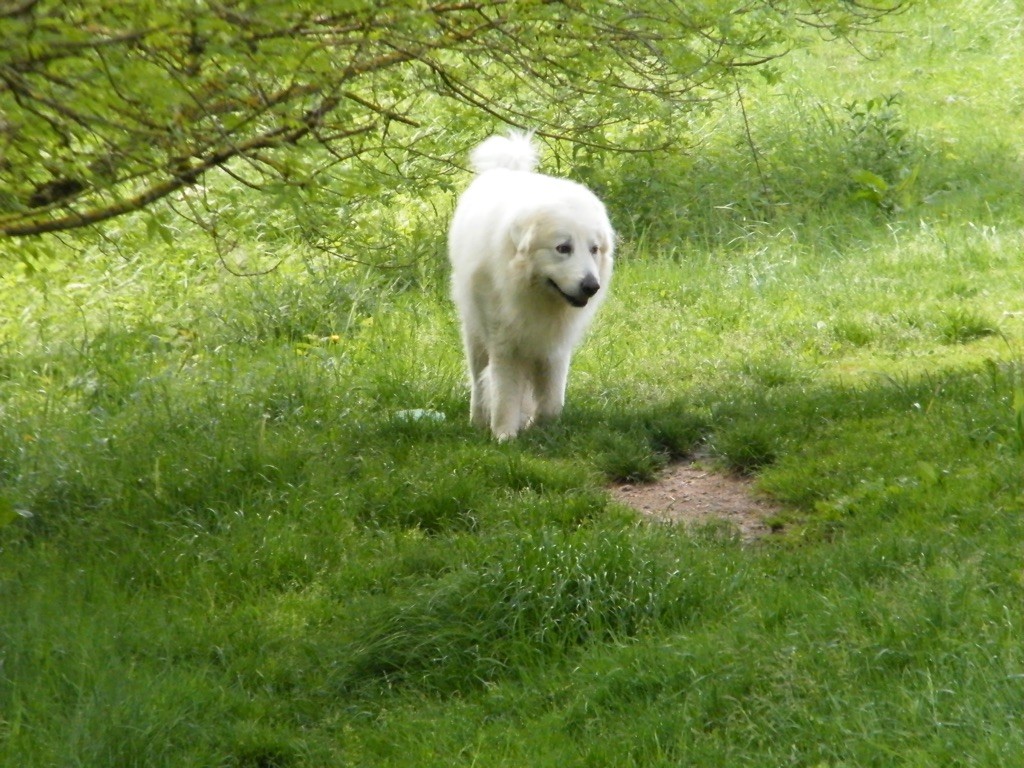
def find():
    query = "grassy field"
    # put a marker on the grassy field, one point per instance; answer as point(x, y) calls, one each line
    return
point(223, 544)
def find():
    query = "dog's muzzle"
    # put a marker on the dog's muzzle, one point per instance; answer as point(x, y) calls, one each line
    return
point(587, 288)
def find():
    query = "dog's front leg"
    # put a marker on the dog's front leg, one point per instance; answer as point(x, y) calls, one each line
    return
point(479, 379)
point(549, 377)
point(508, 391)
point(480, 400)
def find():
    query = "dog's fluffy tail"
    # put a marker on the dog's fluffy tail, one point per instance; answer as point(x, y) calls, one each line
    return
point(514, 152)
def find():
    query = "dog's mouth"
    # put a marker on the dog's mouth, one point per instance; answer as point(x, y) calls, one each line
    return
point(576, 301)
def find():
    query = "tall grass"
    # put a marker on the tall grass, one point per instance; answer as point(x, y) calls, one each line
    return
point(230, 536)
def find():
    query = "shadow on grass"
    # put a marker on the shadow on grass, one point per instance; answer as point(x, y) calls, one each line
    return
point(909, 454)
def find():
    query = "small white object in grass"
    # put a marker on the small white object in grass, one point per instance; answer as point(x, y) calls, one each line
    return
point(420, 414)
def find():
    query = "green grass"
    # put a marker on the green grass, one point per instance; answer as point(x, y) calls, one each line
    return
point(222, 545)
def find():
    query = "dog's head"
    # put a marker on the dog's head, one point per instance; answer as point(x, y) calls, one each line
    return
point(567, 249)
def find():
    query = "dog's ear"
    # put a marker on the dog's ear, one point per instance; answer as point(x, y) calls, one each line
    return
point(523, 232)
point(608, 241)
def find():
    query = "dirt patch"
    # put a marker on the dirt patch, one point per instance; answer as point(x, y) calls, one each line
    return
point(690, 494)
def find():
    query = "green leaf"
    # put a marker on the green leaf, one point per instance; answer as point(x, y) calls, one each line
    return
point(928, 473)
point(870, 180)
point(155, 227)
point(1018, 399)
point(7, 512)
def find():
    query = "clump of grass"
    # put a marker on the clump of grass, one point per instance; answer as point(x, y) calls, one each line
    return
point(532, 599)
point(465, 489)
point(433, 505)
point(675, 430)
point(299, 306)
point(629, 457)
point(769, 373)
point(746, 448)
point(962, 326)
point(855, 332)
point(633, 447)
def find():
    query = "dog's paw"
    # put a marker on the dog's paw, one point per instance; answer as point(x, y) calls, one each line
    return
point(504, 435)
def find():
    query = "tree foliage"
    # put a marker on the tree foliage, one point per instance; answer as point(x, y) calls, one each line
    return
point(109, 105)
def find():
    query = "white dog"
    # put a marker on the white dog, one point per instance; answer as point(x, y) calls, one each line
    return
point(531, 261)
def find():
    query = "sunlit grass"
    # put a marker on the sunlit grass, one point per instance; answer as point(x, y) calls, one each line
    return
point(224, 541)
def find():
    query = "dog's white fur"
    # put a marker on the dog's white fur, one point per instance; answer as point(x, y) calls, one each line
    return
point(531, 262)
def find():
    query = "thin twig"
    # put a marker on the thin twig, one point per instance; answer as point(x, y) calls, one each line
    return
point(755, 153)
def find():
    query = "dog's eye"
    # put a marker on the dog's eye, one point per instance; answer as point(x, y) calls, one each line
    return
point(593, 250)
point(564, 248)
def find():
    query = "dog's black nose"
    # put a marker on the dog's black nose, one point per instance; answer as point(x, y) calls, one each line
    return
point(589, 286)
